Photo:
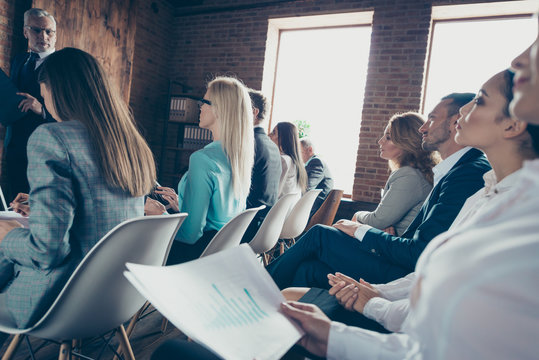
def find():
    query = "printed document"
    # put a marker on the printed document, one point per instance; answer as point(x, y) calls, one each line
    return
point(226, 301)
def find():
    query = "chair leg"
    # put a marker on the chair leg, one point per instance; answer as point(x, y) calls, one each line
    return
point(65, 351)
point(76, 345)
point(124, 343)
point(281, 249)
point(131, 327)
point(13, 346)
point(265, 258)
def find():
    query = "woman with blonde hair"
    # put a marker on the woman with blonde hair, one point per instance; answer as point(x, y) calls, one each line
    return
point(411, 175)
point(88, 172)
point(215, 187)
point(293, 176)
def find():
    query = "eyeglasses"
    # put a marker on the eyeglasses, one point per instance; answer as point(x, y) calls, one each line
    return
point(201, 102)
point(38, 31)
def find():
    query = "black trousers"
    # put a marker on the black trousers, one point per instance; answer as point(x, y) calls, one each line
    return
point(182, 252)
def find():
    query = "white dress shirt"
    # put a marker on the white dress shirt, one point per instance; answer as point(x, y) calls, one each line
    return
point(391, 309)
point(440, 170)
point(42, 56)
point(476, 297)
point(289, 181)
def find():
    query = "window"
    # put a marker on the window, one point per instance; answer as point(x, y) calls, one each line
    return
point(467, 52)
point(320, 80)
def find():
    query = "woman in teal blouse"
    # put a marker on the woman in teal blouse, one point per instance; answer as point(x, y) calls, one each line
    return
point(215, 187)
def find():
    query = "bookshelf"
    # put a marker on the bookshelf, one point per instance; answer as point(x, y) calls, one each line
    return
point(181, 135)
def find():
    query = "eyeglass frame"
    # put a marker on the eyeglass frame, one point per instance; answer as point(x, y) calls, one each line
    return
point(202, 101)
point(38, 30)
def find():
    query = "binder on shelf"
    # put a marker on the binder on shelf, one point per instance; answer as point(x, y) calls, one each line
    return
point(195, 137)
point(183, 109)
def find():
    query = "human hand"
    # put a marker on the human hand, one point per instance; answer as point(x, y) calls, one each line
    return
point(6, 226)
point(315, 324)
point(347, 226)
point(390, 230)
point(30, 103)
point(169, 195)
point(153, 207)
point(351, 294)
point(20, 204)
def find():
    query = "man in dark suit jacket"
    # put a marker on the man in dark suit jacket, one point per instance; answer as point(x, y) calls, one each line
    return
point(40, 30)
point(266, 169)
point(319, 176)
point(361, 251)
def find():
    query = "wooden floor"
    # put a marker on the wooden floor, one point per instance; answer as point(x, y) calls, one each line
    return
point(144, 340)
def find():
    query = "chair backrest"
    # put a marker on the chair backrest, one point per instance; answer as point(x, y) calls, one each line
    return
point(97, 297)
point(327, 211)
point(297, 219)
point(268, 233)
point(230, 235)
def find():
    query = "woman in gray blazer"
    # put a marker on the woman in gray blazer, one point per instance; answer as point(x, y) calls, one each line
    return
point(88, 172)
point(411, 176)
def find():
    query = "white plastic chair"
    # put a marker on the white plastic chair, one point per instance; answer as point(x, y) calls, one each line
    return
point(97, 297)
point(297, 220)
point(230, 235)
point(268, 233)
point(227, 237)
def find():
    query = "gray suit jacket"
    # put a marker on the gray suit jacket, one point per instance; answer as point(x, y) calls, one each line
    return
point(71, 209)
point(404, 194)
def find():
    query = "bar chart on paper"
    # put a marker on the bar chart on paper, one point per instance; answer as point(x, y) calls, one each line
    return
point(232, 310)
point(225, 301)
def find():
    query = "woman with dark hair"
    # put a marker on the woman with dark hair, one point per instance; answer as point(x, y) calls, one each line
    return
point(411, 176)
point(293, 175)
point(88, 172)
point(486, 124)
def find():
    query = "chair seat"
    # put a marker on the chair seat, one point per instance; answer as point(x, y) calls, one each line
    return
point(7, 324)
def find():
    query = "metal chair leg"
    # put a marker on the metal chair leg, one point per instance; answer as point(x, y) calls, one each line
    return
point(13, 346)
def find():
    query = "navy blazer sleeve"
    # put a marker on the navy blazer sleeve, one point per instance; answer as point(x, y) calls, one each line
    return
point(452, 191)
point(315, 173)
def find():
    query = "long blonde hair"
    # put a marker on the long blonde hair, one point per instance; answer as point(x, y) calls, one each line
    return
point(232, 107)
point(81, 91)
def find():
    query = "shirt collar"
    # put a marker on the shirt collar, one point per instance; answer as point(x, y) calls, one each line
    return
point(493, 186)
point(308, 161)
point(44, 54)
point(447, 164)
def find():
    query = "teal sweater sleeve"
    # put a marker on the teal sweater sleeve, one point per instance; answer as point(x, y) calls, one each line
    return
point(194, 193)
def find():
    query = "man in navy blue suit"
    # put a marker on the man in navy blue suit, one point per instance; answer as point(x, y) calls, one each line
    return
point(266, 172)
point(40, 30)
point(362, 251)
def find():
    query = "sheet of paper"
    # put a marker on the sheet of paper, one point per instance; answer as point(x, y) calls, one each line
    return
point(12, 215)
point(226, 301)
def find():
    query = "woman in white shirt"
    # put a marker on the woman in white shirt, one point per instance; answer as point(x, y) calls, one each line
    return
point(293, 175)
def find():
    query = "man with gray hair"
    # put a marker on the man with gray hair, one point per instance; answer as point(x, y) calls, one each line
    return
point(40, 31)
point(318, 173)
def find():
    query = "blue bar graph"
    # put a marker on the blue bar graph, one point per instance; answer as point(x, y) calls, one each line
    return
point(233, 311)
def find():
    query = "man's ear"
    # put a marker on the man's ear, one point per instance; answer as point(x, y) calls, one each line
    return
point(513, 128)
point(255, 113)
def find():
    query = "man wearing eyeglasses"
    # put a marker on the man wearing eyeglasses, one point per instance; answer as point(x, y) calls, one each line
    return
point(40, 30)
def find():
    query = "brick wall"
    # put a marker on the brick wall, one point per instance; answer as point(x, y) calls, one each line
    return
point(209, 41)
point(151, 65)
